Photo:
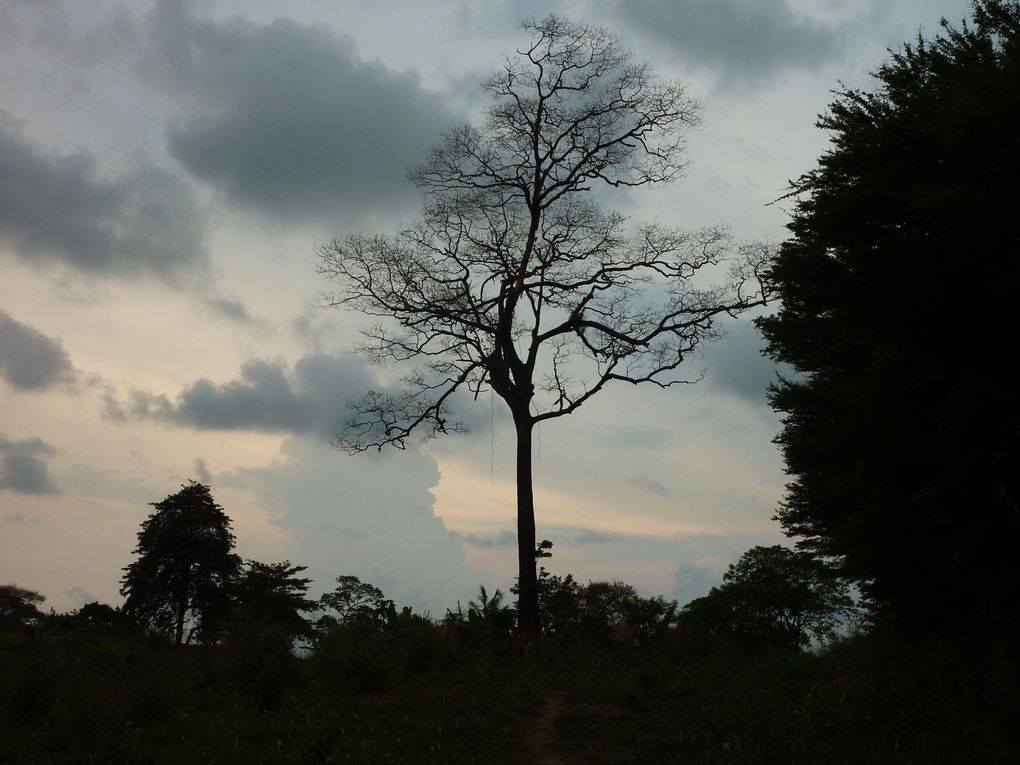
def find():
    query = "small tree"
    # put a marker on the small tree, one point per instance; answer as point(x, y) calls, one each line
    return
point(773, 598)
point(514, 280)
point(18, 606)
point(184, 567)
point(271, 596)
point(355, 602)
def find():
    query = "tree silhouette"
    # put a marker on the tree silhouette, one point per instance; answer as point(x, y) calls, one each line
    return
point(513, 279)
point(901, 432)
point(18, 606)
point(184, 567)
point(355, 601)
point(271, 596)
point(773, 598)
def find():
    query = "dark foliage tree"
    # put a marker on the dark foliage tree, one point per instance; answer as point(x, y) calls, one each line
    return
point(272, 597)
point(18, 606)
point(104, 618)
point(514, 280)
point(598, 611)
point(901, 432)
point(773, 599)
point(184, 568)
point(355, 602)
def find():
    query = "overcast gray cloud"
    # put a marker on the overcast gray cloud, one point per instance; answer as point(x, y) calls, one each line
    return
point(268, 396)
point(23, 468)
point(29, 360)
point(287, 118)
point(57, 209)
point(641, 481)
point(692, 581)
point(592, 537)
point(735, 364)
point(202, 471)
point(640, 437)
point(502, 538)
point(745, 41)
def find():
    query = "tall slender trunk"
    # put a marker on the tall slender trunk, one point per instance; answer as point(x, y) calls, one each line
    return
point(182, 610)
point(184, 588)
point(527, 581)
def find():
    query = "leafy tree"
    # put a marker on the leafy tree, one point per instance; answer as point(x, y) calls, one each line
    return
point(271, 596)
point(514, 280)
point(355, 602)
point(571, 611)
point(486, 604)
point(18, 606)
point(184, 568)
point(901, 432)
point(773, 598)
point(490, 613)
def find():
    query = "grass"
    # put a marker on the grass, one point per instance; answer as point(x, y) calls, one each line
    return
point(122, 700)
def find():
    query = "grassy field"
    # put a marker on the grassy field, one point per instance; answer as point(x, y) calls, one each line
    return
point(125, 700)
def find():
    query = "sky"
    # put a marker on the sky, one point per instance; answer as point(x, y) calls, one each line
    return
point(167, 170)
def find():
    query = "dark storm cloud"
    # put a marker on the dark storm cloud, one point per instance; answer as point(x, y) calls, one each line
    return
point(268, 396)
point(58, 209)
point(735, 364)
point(229, 308)
point(745, 41)
point(286, 118)
point(23, 468)
point(29, 360)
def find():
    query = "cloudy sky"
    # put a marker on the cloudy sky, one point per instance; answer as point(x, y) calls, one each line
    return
point(166, 172)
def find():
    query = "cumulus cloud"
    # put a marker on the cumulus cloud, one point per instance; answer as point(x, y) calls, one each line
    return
point(23, 467)
point(58, 209)
point(286, 118)
point(271, 397)
point(745, 41)
point(369, 515)
point(268, 396)
point(30, 360)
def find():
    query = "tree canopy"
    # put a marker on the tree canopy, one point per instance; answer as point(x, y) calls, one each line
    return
point(19, 606)
point(901, 430)
point(271, 596)
point(514, 280)
point(354, 601)
point(772, 599)
point(184, 567)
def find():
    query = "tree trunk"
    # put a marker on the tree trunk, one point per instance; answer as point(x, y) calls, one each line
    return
point(182, 610)
point(527, 581)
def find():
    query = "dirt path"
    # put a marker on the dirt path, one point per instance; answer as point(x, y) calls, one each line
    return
point(542, 740)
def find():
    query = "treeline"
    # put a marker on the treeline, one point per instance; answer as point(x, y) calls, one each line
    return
point(188, 586)
point(259, 672)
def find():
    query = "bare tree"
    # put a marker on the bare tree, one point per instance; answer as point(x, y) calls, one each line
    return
point(514, 280)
